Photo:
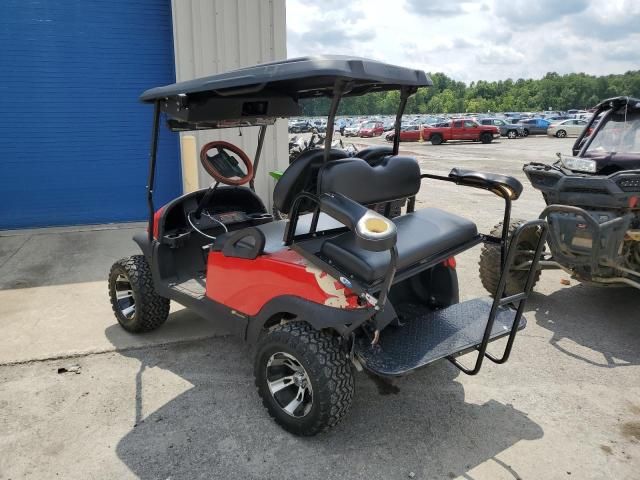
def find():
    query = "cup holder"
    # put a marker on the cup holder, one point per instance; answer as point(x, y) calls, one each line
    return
point(376, 225)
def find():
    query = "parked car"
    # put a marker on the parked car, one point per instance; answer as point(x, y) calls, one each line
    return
point(535, 126)
point(566, 127)
point(352, 130)
point(300, 126)
point(507, 129)
point(320, 126)
point(460, 129)
point(557, 118)
point(371, 129)
point(388, 125)
point(408, 133)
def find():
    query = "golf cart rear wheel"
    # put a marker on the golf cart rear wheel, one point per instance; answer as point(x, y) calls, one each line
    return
point(134, 300)
point(304, 378)
point(490, 260)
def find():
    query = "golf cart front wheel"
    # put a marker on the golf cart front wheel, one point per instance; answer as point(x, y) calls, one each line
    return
point(304, 378)
point(135, 303)
point(490, 261)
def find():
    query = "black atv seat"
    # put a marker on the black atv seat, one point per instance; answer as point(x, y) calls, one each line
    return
point(423, 234)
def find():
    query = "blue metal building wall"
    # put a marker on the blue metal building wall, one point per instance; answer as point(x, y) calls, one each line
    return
point(73, 136)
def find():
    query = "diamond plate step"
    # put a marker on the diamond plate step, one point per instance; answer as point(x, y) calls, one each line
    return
point(427, 336)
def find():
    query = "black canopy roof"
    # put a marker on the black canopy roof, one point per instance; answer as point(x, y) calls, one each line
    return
point(296, 78)
point(618, 102)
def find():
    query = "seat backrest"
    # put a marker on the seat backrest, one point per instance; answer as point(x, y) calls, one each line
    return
point(301, 176)
point(392, 178)
point(373, 155)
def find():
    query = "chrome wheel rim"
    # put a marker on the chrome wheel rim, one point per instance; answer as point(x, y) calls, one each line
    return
point(289, 384)
point(124, 297)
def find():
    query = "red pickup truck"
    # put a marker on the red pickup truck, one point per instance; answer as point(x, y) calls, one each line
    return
point(459, 129)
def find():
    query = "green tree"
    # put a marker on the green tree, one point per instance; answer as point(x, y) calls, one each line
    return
point(555, 91)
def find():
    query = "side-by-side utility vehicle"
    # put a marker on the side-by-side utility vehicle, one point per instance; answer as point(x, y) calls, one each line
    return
point(593, 205)
point(335, 287)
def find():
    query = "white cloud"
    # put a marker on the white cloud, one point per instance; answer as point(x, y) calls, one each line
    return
point(473, 40)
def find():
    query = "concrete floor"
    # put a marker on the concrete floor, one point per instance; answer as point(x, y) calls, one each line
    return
point(180, 402)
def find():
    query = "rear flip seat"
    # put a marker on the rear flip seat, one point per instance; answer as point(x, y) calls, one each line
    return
point(421, 235)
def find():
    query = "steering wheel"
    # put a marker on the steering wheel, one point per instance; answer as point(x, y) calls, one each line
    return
point(223, 167)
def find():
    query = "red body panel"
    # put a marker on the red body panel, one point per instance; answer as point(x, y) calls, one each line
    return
point(247, 285)
point(156, 222)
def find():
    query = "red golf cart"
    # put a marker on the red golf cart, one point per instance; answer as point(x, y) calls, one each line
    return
point(335, 287)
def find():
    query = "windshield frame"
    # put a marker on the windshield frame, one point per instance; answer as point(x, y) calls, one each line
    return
point(602, 129)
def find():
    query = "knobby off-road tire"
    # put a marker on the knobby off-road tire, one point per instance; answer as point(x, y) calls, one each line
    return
point(316, 357)
point(490, 261)
point(486, 138)
point(131, 285)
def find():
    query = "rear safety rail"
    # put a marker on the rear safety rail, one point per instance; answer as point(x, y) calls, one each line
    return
point(518, 300)
point(610, 233)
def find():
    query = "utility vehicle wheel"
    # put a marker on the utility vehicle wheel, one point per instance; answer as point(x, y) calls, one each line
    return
point(490, 261)
point(561, 134)
point(512, 134)
point(304, 378)
point(436, 139)
point(486, 138)
point(525, 132)
point(134, 300)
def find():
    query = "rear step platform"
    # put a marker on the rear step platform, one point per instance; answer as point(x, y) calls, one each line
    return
point(427, 336)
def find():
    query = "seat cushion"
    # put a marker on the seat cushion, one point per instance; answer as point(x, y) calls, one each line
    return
point(422, 234)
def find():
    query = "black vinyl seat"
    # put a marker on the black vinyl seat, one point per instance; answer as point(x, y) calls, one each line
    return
point(422, 235)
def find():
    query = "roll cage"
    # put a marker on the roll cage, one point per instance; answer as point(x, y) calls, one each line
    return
point(258, 95)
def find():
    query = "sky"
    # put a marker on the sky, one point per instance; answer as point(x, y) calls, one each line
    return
point(473, 40)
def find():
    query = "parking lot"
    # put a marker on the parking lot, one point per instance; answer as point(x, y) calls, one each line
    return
point(180, 402)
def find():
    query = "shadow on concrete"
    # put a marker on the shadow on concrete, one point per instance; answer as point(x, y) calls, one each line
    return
point(596, 325)
point(59, 258)
point(218, 428)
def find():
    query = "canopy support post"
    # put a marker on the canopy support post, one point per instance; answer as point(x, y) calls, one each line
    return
point(256, 159)
point(405, 93)
point(152, 166)
point(339, 89)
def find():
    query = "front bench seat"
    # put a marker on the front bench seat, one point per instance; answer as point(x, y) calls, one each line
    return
point(422, 235)
point(302, 176)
